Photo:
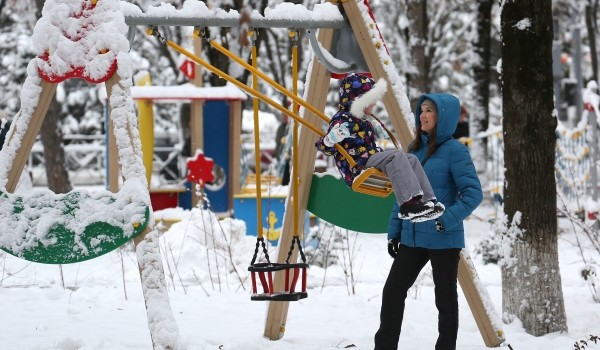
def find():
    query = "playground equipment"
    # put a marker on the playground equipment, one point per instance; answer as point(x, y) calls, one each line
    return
point(211, 108)
point(67, 228)
point(357, 16)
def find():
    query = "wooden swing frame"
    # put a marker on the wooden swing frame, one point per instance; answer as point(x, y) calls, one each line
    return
point(371, 181)
point(397, 105)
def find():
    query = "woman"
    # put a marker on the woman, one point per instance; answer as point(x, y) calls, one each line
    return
point(450, 170)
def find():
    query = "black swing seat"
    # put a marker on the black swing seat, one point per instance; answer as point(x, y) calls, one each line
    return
point(265, 274)
point(374, 182)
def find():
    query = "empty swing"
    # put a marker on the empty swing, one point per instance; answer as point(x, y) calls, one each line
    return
point(293, 271)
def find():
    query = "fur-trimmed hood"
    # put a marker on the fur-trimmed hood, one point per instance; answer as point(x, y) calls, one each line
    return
point(358, 91)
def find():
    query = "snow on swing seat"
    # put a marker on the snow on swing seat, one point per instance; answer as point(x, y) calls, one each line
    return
point(51, 228)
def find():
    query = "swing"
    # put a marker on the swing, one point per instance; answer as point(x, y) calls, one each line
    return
point(293, 271)
point(52, 228)
point(264, 271)
point(370, 182)
point(374, 182)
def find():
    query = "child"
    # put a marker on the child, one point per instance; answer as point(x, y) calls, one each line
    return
point(351, 128)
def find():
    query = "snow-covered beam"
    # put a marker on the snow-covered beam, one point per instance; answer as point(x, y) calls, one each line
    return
point(196, 13)
point(262, 22)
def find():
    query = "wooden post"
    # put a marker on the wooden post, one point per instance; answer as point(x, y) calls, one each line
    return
point(113, 152)
point(196, 114)
point(475, 295)
point(235, 117)
point(150, 268)
point(316, 95)
point(33, 129)
point(377, 69)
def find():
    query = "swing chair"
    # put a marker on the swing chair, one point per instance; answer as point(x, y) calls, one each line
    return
point(293, 271)
point(52, 228)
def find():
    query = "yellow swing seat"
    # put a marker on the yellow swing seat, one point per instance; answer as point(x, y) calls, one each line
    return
point(374, 182)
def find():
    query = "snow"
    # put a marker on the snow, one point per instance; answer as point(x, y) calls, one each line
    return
point(101, 305)
point(197, 10)
point(200, 299)
point(523, 24)
point(184, 92)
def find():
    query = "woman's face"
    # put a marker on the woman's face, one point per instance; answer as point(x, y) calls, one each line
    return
point(428, 118)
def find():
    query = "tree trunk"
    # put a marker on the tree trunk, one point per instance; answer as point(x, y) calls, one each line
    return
point(419, 24)
point(531, 278)
point(52, 139)
point(54, 154)
point(592, 27)
point(479, 115)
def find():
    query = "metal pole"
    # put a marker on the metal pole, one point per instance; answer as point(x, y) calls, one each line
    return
point(234, 21)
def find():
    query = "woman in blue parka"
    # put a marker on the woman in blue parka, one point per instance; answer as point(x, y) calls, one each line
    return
point(452, 175)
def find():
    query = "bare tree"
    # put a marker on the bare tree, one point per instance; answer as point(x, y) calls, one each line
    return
point(439, 60)
point(480, 114)
point(591, 9)
point(54, 153)
point(419, 23)
point(531, 278)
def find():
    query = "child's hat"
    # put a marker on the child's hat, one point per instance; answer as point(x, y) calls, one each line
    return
point(360, 91)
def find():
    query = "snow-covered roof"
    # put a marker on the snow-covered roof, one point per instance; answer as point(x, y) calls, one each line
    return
point(184, 92)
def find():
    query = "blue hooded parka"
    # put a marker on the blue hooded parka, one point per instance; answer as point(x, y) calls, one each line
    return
point(452, 175)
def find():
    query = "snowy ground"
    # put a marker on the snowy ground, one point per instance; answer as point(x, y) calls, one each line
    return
point(101, 304)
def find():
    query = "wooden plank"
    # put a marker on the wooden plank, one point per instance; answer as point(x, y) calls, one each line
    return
point(377, 69)
point(33, 129)
point(316, 95)
point(472, 289)
point(113, 152)
point(235, 152)
point(197, 115)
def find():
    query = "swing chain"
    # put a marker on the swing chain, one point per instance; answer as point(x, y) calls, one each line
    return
point(260, 241)
point(295, 239)
point(202, 33)
point(153, 30)
point(252, 35)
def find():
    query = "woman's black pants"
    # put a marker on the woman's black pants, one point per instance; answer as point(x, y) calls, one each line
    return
point(405, 270)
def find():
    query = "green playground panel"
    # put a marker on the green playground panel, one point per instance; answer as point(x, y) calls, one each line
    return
point(331, 200)
point(98, 237)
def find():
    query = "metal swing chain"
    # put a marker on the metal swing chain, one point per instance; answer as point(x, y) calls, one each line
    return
point(260, 241)
point(153, 30)
point(294, 240)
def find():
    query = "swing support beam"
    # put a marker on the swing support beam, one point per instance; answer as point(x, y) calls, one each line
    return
point(396, 104)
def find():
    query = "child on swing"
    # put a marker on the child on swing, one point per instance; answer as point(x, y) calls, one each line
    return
point(351, 128)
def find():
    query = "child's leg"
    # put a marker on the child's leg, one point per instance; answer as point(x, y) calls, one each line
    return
point(415, 164)
point(398, 169)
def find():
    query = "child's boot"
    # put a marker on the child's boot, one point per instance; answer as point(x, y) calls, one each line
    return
point(438, 210)
point(415, 207)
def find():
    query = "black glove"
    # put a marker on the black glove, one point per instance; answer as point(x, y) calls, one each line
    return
point(393, 247)
point(439, 227)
